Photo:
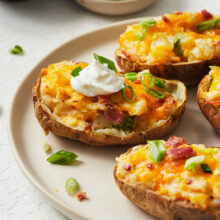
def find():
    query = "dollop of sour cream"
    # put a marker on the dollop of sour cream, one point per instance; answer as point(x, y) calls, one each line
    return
point(97, 79)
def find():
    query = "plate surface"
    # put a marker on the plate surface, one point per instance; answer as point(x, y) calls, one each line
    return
point(94, 168)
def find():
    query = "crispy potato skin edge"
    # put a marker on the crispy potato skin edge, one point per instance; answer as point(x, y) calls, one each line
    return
point(160, 206)
point(49, 124)
point(211, 112)
point(190, 73)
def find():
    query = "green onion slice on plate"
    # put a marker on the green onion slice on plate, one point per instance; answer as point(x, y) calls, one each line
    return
point(62, 157)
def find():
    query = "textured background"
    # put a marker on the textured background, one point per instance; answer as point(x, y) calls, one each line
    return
point(39, 26)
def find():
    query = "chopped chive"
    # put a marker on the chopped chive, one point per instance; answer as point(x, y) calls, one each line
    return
point(76, 71)
point(205, 167)
point(177, 47)
point(16, 50)
point(127, 124)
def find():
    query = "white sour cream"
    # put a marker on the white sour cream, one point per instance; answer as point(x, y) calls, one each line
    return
point(97, 79)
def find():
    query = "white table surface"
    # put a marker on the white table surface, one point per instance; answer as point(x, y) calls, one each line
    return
point(39, 26)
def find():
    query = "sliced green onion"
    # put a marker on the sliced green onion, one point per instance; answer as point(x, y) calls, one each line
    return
point(103, 60)
point(46, 147)
point(216, 171)
point(205, 167)
point(76, 71)
point(160, 83)
point(16, 50)
point(193, 162)
point(157, 150)
point(62, 157)
point(71, 186)
point(207, 25)
point(177, 47)
point(127, 124)
point(130, 76)
point(124, 95)
point(155, 93)
point(152, 79)
point(144, 26)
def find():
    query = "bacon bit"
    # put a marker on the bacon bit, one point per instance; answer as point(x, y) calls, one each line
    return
point(81, 196)
point(138, 81)
point(178, 13)
point(165, 19)
point(150, 166)
point(104, 100)
point(180, 153)
point(211, 197)
point(88, 125)
point(127, 167)
point(126, 54)
point(206, 14)
point(174, 141)
point(189, 181)
point(217, 32)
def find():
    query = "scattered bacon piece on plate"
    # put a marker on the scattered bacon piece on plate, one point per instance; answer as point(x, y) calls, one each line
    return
point(81, 196)
point(180, 153)
point(206, 14)
point(174, 141)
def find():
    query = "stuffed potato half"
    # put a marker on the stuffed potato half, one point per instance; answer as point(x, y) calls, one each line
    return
point(174, 46)
point(171, 180)
point(146, 107)
point(208, 97)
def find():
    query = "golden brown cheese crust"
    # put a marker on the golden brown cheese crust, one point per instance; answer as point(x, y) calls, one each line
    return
point(190, 73)
point(50, 123)
point(161, 206)
point(212, 113)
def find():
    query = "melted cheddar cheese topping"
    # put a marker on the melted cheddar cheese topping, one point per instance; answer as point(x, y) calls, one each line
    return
point(76, 110)
point(157, 47)
point(170, 178)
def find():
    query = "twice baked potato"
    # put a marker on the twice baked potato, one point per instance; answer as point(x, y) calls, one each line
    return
point(129, 116)
point(208, 97)
point(172, 180)
point(174, 46)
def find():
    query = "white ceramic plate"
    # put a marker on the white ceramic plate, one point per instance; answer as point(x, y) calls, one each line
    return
point(115, 7)
point(95, 166)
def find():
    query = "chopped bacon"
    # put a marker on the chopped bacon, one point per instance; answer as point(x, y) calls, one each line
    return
point(150, 166)
point(206, 14)
point(126, 54)
point(174, 141)
point(111, 114)
point(127, 167)
point(189, 181)
point(178, 12)
point(81, 196)
point(165, 19)
point(180, 153)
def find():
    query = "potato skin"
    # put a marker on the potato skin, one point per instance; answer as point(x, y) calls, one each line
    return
point(162, 207)
point(49, 123)
point(212, 113)
point(190, 73)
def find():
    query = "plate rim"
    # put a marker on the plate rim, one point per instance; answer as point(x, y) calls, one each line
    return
point(59, 205)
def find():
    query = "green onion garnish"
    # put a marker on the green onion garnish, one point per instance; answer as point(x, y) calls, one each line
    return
point(160, 83)
point(216, 171)
point(193, 162)
point(16, 50)
point(177, 47)
point(205, 167)
point(62, 157)
point(207, 25)
point(130, 76)
point(76, 71)
point(71, 186)
point(145, 25)
point(157, 150)
point(155, 93)
point(124, 95)
point(102, 60)
point(46, 147)
point(127, 124)
point(152, 79)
